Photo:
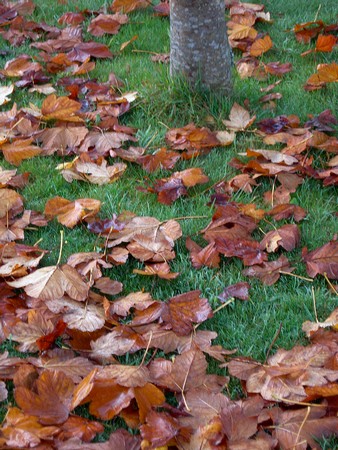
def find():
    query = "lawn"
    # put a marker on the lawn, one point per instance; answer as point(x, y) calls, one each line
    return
point(273, 315)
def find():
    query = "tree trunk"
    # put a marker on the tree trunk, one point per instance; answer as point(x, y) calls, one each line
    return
point(199, 44)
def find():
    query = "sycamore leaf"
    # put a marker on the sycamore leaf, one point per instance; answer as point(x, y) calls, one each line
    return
point(160, 429)
point(326, 73)
point(20, 429)
point(84, 317)
point(269, 272)
point(322, 260)
point(4, 92)
point(60, 108)
point(261, 46)
point(239, 118)
point(127, 6)
point(107, 24)
point(287, 236)
point(19, 66)
point(162, 159)
point(10, 201)
point(80, 427)
point(188, 371)
point(287, 210)
point(28, 334)
point(52, 399)
point(185, 309)
point(332, 321)
point(207, 256)
point(19, 150)
point(299, 428)
point(70, 213)
point(162, 270)
point(238, 290)
point(52, 282)
point(325, 43)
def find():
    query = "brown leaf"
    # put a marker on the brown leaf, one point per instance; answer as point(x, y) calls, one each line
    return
point(287, 236)
point(80, 427)
point(81, 316)
point(95, 172)
point(51, 400)
point(162, 159)
point(185, 309)
point(268, 272)
point(207, 256)
point(287, 210)
point(162, 270)
point(188, 371)
point(62, 139)
point(322, 260)
point(332, 321)
point(70, 213)
point(247, 250)
point(19, 66)
point(160, 429)
point(11, 203)
point(52, 282)
point(239, 118)
point(107, 24)
point(191, 138)
point(298, 428)
point(108, 286)
point(326, 73)
point(238, 290)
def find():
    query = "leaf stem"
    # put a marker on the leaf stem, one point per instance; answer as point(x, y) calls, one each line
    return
point(61, 247)
point(296, 276)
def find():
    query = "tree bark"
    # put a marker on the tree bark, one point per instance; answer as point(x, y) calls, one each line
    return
point(199, 46)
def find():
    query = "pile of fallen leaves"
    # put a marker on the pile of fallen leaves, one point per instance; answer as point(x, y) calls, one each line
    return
point(69, 319)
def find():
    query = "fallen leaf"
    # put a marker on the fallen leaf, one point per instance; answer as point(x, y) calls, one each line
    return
point(322, 260)
point(240, 118)
point(261, 46)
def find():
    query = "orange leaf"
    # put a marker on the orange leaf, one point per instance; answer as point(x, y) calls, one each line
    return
point(325, 43)
point(60, 108)
point(326, 73)
point(128, 5)
point(261, 46)
point(19, 150)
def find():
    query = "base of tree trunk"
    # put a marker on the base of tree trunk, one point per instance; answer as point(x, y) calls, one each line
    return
point(199, 46)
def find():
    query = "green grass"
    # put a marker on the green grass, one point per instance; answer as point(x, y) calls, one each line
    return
point(248, 326)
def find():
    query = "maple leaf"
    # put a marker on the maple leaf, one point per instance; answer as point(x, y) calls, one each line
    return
point(70, 213)
point(269, 272)
point(52, 282)
point(188, 371)
point(322, 260)
point(52, 399)
point(190, 137)
point(19, 66)
point(240, 118)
